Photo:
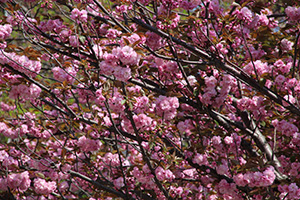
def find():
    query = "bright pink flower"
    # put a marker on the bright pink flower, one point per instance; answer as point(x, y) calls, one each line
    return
point(245, 14)
point(79, 15)
point(228, 140)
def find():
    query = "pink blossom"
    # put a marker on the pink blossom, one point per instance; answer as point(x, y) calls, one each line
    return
point(3, 184)
point(43, 187)
point(126, 55)
point(280, 66)
point(73, 41)
point(52, 25)
point(112, 33)
point(115, 104)
point(142, 121)
point(122, 73)
point(210, 82)
point(222, 169)
point(79, 15)
point(185, 126)
point(119, 182)
point(260, 68)
point(200, 159)
point(106, 68)
point(286, 45)
point(141, 103)
point(66, 74)
point(293, 13)
point(228, 140)
point(167, 106)
point(290, 99)
point(86, 144)
point(279, 80)
point(162, 174)
point(245, 14)
point(190, 5)
point(5, 107)
point(5, 31)
point(20, 181)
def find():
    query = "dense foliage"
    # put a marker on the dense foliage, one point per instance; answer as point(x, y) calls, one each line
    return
point(162, 99)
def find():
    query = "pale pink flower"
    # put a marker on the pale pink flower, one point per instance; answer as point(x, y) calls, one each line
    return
point(293, 13)
point(286, 45)
point(86, 144)
point(43, 187)
point(119, 182)
point(5, 31)
point(126, 55)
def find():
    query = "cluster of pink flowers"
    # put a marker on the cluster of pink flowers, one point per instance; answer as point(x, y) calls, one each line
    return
point(21, 63)
point(166, 106)
point(87, 144)
point(5, 31)
point(200, 159)
point(163, 174)
point(116, 103)
point(143, 177)
point(143, 122)
point(141, 104)
point(24, 92)
point(43, 187)
point(66, 74)
point(52, 25)
point(286, 128)
point(256, 179)
point(190, 5)
point(185, 127)
point(291, 191)
point(19, 181)
point(209, 91)
point(154, 41)
point(293, 13)
point(255, 105)
point(245, 14)
point(228, 190)
point(79, 15)
point(126, 55)
point(5, 107)
point(286, 45)
point(259, 67)
point(117, 63)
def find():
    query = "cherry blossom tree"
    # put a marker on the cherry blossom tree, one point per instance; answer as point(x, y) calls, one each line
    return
point(163, 99)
